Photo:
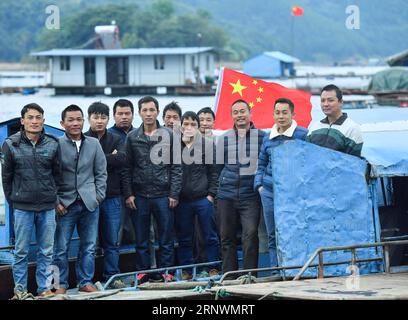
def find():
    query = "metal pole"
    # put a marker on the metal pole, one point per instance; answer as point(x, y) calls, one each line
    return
point(387, 258)
point(321, 266)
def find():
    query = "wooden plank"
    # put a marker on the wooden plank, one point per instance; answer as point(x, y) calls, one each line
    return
point(370, 287)
point(133, 295)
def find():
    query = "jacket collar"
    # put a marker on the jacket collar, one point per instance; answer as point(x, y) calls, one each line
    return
point(83, 137)
point(288, 132)
point(115, 127)
point(95, 135)
point(251, 126)
point(141, 128)
point(338, 122)
point(23, 137)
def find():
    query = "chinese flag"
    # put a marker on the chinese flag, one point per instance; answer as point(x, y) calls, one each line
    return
point(261, 97)
point(297, 11)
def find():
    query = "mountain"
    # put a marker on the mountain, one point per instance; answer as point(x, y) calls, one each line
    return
point(252, 26)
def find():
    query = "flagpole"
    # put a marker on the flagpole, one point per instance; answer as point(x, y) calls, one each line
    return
point(292, 35)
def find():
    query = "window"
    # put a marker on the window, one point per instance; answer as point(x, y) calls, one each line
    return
point(207, 62)
point(65, 63)
point(117, 71)
point(193, 62)
point(158, 62)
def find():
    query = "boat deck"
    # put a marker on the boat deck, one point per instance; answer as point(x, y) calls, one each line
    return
point(371, 287)
point(134, 295)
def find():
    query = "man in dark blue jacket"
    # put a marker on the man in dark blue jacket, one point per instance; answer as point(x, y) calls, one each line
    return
point(29, 168)
point(110, 210)
point(238, 150)
point(284, 129)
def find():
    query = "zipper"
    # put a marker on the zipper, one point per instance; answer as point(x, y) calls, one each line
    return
point(76, 164)
point(36, 171)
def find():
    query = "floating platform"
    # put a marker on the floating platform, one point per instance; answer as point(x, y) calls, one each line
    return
point(381, 286)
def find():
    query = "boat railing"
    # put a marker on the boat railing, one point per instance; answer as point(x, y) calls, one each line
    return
point(321, 264)
point(319, 253)
point(166, 270)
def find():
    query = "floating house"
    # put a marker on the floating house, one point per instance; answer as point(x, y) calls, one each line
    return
point(271, 64)
point(128, 71)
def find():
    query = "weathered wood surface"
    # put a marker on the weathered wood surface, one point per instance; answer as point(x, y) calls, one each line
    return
point(371, 287)
point(134, 295)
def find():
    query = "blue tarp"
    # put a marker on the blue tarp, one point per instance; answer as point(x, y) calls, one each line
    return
point(321, 200)
point(387, 152)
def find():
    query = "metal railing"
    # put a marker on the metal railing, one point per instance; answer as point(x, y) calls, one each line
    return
point(320, 265)
point(165, 270)
point(319, 253)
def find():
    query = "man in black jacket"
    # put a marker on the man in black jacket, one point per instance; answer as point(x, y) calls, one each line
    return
point(152, 184)
point(200, 179)
point(110, 209)
point(237, 202)
point(29, 169)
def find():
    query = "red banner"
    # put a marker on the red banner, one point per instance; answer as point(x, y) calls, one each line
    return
point(261, 97)
point(297, 11)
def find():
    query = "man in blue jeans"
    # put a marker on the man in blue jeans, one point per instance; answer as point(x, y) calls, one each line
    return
point(199, 187)
point(29, 168)
point(81, 189)
point(238, 204)
point(152, 185)
point(110, 210)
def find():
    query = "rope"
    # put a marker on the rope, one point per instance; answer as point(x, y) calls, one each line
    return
point(222, 293)
point(21, 294)
point(198, 289)
point(246, 279)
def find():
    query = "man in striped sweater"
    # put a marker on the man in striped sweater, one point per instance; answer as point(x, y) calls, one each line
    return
point(336, 131)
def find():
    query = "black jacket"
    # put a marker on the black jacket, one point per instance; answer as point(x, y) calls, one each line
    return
point(148, 178)
point(236, 181)
point(115, 162)
point(200, 174)
point(29, 172)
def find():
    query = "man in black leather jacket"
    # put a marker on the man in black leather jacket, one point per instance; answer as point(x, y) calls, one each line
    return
point(29, 168)
point(152, 184)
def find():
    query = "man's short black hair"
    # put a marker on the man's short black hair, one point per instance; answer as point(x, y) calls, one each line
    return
point(172, 106)
point(241, 101)
point(287, 101)
point(147, 99)
point(98, 108)
point(33, 106)
point(123, 103)
point(190, 115)
point(332, 87)
point(206, 110)
point(71, 107)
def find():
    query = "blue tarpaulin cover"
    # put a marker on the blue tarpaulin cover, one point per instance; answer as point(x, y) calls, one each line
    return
point(387, 152)
point(321, 200)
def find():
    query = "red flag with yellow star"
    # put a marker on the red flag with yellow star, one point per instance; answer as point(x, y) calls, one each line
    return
point(297, 11)
point(261, 97)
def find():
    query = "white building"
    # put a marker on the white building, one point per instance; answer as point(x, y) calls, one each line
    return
point(129, 67)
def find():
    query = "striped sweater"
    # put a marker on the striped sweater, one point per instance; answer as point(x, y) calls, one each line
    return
point(343, 135)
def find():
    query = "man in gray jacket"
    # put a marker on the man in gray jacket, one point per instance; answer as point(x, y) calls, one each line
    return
point(81, 188)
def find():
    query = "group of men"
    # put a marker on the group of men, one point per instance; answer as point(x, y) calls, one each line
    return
point(200, 189)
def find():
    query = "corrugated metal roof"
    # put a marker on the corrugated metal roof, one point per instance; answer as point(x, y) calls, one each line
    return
point(121, 52)
point(281, 56)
